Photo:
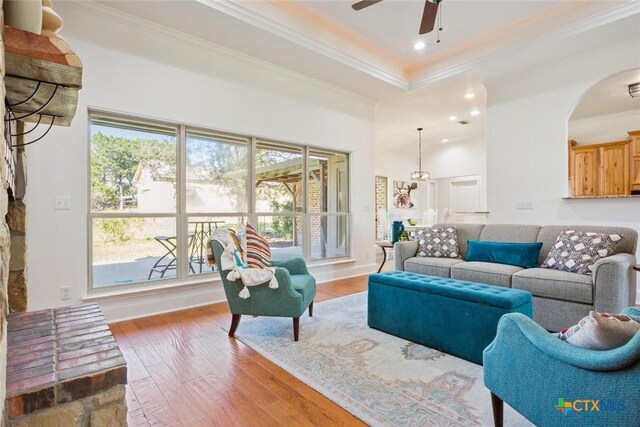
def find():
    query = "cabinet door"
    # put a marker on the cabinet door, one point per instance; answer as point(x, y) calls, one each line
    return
point(615, 170)
point(635, 162)
point(585, 172)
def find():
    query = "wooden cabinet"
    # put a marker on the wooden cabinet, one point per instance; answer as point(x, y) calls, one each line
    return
point(635, 160)
point(584, 167)
point(601, 169)
point(614, 174)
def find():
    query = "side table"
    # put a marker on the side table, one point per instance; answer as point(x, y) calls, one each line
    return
point(384, 245)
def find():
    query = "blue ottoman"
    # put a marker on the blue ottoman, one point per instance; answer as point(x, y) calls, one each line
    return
point(457, 317)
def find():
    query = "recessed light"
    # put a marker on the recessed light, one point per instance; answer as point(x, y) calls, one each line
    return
point(453, 118)
point(475, 112)
point(470, 95)
point(419, 45)
point(445, 140)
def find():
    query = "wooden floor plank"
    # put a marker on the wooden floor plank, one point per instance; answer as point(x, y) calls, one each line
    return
point(184, 370)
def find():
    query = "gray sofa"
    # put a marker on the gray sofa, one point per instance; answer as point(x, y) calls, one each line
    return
point(560, 298)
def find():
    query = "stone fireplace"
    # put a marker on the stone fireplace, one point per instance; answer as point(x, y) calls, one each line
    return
point(63, 366)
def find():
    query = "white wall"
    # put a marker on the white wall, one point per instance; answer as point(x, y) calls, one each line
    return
point(527, 141)
point(399, 168)
point(134, 69)
point(446, 162)
point(459, 158)
point(605, 128)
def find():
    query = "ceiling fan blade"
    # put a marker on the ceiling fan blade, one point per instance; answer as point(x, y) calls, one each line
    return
point(429, 16)
point(364, 3)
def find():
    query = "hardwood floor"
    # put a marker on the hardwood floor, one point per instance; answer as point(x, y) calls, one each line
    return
point(183, 370)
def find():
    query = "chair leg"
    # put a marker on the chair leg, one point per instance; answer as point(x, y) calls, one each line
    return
point(235, 321)
point(296, 328)
point(311, 309)
point(498, 410)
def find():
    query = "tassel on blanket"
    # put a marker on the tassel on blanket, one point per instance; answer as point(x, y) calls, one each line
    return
point(244, 293)
point(233, 275)
point(273, 283)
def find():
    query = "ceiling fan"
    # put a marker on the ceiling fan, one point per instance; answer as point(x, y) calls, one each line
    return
point(429, 13)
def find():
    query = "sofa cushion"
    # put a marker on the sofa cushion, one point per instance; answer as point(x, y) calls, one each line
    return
point(555, 284)
point(431, 266)
point(440, 242)
point(520, 233)
point(485, 272)
point(523, 255)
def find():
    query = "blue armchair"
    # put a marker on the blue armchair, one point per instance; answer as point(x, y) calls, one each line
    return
point(296, 291)
point(553, 383)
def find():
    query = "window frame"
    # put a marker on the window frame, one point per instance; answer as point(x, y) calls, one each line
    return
point(181, 215)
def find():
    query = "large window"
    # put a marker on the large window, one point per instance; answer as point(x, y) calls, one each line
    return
point(158, 191)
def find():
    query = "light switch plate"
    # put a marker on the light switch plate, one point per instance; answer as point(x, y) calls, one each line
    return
point(524, 204)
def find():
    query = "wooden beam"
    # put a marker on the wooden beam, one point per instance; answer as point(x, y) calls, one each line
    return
point(292, 191)
point(37, 57)
point(31, 59)
point(63, 104)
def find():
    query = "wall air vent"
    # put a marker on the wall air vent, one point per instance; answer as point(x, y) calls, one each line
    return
point(464, 122)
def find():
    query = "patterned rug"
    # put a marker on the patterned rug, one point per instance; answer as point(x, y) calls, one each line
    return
point(381, 379)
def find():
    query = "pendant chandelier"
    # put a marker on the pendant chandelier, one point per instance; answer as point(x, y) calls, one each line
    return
point(420, 175)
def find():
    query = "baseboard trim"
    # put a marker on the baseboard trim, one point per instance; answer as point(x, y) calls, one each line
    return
point(121, 308)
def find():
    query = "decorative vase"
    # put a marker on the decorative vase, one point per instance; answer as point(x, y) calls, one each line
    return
point(396, 230)
point(51, 21)
point(23, 14)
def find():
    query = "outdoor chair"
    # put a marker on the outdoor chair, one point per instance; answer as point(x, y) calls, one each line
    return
point(168, 261)
point(295, 292)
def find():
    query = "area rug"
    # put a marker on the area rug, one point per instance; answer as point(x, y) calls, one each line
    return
point(379, 378)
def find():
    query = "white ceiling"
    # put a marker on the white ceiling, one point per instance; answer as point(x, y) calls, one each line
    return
point(610, 96)
point(392, 26)
point(370, 52)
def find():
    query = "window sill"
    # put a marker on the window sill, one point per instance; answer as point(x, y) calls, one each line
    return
point(134, 292)
point(336, 261)
point(192, 283)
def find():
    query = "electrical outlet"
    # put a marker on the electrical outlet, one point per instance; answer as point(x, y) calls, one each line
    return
point(65, 292)
point(524, 204)
point(63, 203)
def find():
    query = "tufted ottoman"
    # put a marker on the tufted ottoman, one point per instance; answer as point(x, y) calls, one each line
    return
point(453, 316)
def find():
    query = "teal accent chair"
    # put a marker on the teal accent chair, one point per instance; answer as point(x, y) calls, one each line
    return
point(537, 374)
point(296, 291)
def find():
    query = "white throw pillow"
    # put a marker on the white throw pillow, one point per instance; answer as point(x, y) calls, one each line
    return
point(601, 331)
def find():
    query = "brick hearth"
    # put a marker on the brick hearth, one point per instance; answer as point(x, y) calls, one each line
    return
point(64, 368)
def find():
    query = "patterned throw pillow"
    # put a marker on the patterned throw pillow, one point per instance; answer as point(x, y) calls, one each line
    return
point(258, 250)
point(601, 331)
point(441, 242)
point(577, 251)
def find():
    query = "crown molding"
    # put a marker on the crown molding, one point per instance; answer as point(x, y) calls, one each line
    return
point(606, 17)
point(240, 12)
point(94, 8)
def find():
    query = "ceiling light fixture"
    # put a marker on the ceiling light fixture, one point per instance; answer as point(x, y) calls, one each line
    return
point(452, 118)
point(475, 113)
point(420, 175)
point(634, 90)
point(419, 45)
point(445, 140)
point(470, 95)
